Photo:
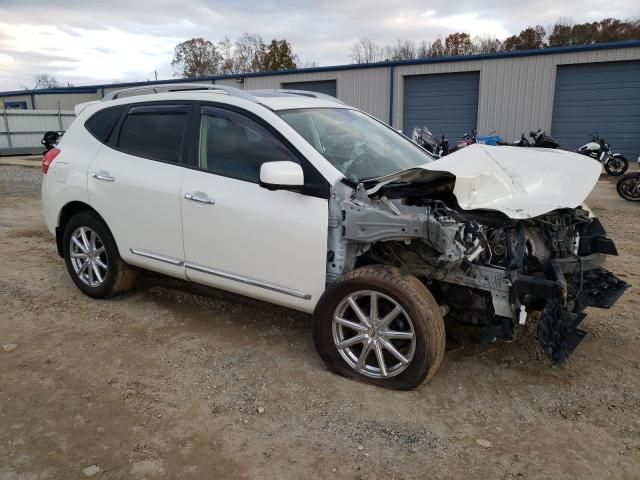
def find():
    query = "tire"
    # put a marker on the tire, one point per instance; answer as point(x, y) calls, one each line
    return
point(418, 314)
point(96, 282)
point(626, 186)
point(616, 165)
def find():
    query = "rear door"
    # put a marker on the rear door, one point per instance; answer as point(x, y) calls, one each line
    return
point(134, 183)
point(240, 236)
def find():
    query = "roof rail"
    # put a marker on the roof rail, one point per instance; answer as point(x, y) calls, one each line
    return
point(304, 93)
point(179, 87)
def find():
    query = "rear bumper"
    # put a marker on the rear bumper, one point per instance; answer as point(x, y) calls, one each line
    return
point(570, 286)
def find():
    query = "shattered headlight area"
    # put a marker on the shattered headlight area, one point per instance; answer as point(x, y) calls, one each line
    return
point(489, 270)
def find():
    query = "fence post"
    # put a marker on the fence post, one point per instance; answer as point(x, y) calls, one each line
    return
point(59, 118)
point(6, 124)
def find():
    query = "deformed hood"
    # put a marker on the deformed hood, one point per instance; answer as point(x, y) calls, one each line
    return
point(519, 182)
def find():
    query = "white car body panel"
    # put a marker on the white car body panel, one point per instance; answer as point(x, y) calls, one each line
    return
point(67, 178)
point(519, 182)
point(253, 236)
point(141, 207)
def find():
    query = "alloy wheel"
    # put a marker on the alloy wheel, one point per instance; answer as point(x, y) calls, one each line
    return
point(88, 257)
point(373, 334)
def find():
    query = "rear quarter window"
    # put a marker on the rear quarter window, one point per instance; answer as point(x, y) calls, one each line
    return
point(101, 123)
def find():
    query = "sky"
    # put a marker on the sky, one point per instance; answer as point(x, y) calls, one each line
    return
point(88, 42)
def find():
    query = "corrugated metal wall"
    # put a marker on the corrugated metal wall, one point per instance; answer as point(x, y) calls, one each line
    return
point(26, 127)
point(516, 94)
point(367, 89)
point(67, 101)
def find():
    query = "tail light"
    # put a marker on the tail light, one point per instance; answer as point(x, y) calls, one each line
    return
point(47, 159)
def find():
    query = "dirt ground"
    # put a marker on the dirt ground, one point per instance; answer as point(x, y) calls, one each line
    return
point(168, 381)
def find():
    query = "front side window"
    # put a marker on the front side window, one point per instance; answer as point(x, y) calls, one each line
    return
point(154, 132)
point(235, 146)
point(359, 146)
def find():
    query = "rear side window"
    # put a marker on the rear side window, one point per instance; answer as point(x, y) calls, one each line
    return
point(101, 124)
point(235, 146)
point(155, 132)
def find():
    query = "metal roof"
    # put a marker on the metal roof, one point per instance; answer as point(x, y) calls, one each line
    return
point(355, 66)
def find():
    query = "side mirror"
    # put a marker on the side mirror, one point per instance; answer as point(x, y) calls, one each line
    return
point(274, 175)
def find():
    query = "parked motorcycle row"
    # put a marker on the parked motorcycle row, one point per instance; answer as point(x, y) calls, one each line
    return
point(615, 164)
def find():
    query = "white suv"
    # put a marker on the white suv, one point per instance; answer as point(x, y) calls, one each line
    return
point(299, 200)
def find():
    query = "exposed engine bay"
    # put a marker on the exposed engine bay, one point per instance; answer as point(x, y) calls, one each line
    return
point(487, 270)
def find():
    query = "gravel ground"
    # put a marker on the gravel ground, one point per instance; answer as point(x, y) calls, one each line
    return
point(178, 381)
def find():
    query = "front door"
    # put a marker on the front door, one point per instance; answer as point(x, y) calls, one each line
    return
point(241, 237)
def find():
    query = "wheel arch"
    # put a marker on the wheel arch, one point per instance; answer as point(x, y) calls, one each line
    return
point(67, 212)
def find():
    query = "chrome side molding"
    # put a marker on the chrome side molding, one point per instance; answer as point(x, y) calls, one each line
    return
point(248, 281)
point(155, 256)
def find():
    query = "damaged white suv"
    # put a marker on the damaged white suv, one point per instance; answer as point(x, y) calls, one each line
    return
point(299, 200)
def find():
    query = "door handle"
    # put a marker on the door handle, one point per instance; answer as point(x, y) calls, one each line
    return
point(102, 175)
point(199, 197)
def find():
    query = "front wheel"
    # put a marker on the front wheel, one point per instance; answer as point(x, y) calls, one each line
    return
point(381, 327)
point(628, 187)
point(616, 165)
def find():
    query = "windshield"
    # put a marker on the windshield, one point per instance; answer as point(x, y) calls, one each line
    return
point(359, 146)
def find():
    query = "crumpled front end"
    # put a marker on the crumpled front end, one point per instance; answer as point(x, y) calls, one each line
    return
point(487, 269)
point(571, 284)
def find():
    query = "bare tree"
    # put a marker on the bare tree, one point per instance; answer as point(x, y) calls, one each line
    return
point(403, 50)
point(44, 80)
point(196, 58)
point(249, 52)
point(228, 61)
point(487, 45)
point(366, 50)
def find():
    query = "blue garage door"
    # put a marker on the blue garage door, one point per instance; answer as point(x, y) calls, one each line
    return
point(328, 87)
point(446, 103)
point(598, 96)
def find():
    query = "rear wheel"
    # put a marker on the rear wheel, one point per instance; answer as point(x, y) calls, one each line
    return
point(380, 326)
point(92, 257)
point(628, 187)
point(616, 165)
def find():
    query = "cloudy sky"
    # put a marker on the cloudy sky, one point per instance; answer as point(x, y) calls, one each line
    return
point(88, 42)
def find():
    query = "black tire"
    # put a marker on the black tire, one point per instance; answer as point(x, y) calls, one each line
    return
point(119, 277)
point(412, 296)
point(616, 166)
point(626, 185)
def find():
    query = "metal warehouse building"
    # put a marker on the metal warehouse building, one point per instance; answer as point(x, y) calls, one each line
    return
point(568, 91)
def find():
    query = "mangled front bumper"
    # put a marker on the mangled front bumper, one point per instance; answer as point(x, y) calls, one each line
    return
point(570, 286)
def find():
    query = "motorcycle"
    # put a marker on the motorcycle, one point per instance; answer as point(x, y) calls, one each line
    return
point(614, 163)
point(50, 140)
point(539, 139)
point(628, 187)
point(423, 137)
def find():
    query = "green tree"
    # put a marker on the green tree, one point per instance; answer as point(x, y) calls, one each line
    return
point(560, 35)
point(279, 56)
point(528, 39)
point(196, 58)
point(458, 44)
